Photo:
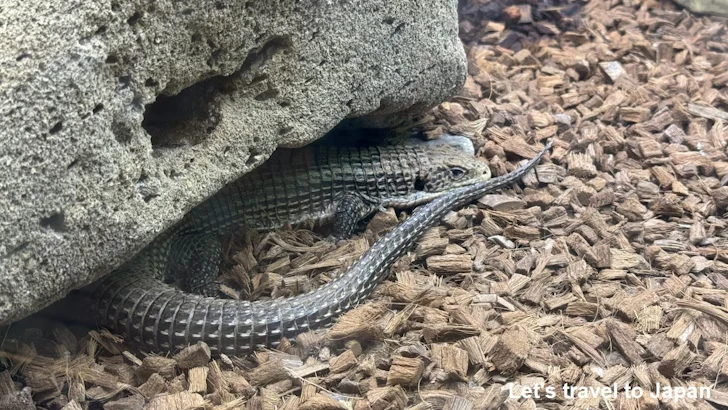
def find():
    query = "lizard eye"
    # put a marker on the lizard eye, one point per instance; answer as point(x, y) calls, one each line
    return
point(457, 172)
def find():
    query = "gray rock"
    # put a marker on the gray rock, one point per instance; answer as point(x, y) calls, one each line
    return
point(117, 117)
point(717, 7)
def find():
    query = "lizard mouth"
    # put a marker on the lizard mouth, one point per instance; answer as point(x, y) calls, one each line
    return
point(421, 196)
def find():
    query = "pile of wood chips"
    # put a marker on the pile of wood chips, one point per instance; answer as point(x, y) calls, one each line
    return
point(603, 277)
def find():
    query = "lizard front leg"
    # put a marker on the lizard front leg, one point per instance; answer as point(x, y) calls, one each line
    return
point(198, 271)
point(349, 211)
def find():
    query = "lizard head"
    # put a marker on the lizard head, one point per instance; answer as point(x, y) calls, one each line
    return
point(451, 165)
point(450, 168)
point(449, 162)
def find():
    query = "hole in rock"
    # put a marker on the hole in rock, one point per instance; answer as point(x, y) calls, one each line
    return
point(125, 81)
point(181, 119)
point(267, 95)
point(259, 78)
point(188, 117)
point(56, 128)
point(55, 222)
point(134, 18)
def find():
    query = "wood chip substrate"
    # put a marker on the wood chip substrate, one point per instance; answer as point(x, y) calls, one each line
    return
point(597, 282)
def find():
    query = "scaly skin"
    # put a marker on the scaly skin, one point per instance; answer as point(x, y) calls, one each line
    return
point(156, 317)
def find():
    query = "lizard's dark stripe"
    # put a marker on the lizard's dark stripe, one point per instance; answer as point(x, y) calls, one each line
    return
point(264, 323)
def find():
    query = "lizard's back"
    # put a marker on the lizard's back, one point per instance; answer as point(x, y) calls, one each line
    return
point(297, 185)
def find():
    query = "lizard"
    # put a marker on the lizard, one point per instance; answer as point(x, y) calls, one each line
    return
point(343, 184)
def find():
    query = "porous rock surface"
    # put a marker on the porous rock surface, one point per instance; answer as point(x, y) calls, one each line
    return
point(717, 7)
point(118, 116)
